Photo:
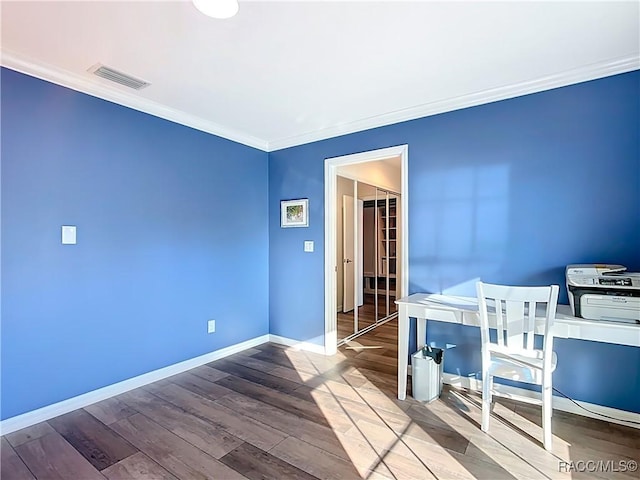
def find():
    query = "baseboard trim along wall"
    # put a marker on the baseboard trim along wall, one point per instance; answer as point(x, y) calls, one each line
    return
point(50, 411)
point(33, 417)
point(621, 417)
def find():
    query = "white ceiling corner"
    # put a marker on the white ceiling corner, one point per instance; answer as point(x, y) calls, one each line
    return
point(280, 74)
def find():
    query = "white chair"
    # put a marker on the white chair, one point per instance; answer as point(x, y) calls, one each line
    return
point(511, 311)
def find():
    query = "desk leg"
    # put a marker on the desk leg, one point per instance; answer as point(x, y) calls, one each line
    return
point(403, 350)
point(421, 332)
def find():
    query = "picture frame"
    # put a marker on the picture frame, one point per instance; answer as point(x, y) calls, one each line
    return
point(294, 213)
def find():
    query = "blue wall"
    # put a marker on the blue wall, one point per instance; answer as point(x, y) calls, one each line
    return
point(172, 230)
point(510, 192)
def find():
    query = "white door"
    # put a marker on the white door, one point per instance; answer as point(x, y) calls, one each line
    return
point(348, 253)
point(350, 230)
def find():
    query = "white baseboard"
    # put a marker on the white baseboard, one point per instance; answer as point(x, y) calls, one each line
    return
point(50, 411)
point(33, 417)
point(621, 417)
point(298, 345)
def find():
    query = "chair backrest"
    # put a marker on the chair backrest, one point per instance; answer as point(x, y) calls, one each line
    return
point(512, 312)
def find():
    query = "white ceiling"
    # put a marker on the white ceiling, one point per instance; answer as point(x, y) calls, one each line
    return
point(286, 73)
point(384, 174)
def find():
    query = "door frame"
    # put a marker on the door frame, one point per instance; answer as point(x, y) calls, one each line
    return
point(331, 166)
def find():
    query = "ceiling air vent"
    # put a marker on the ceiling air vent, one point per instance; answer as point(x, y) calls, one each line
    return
point(118, 77)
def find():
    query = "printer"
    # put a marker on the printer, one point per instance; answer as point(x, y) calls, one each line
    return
point(604, 292)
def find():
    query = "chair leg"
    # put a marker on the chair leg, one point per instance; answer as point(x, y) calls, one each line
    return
point(547, 411)
point(486, 400)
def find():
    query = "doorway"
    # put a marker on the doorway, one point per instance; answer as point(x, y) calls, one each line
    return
point(365, 183)
point(367, 253)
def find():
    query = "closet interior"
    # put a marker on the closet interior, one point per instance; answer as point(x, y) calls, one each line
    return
point(368, 257)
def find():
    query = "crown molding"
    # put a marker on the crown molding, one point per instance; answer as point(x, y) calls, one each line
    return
point(81, 84)
point(84, 85)
point(569, 77)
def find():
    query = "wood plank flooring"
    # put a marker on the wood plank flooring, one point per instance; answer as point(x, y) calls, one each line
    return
point(366, 314)
point(276, 413)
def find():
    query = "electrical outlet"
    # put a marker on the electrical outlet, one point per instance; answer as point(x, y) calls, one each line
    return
point(211, 326)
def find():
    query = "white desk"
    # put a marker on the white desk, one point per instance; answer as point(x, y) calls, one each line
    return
point(464, 310)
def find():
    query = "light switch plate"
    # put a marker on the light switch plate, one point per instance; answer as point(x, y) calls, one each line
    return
point(308, 245)
point(211, 326)
point(68, 234)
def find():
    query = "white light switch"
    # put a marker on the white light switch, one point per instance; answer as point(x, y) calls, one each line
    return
point(308, 245)
point(68, 235)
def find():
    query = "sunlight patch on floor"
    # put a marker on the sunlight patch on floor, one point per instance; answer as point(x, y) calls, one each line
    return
point(358, 347)
point(387, 438)
point(380, 439)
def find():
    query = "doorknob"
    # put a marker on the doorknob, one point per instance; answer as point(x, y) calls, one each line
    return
point(347, 260)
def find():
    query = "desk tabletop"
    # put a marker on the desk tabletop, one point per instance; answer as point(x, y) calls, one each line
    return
point(438, 299)
point(464, 310)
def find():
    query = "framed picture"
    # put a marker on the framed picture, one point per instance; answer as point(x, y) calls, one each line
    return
point(294, 213)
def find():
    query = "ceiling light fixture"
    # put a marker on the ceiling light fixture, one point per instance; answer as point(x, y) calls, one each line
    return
point(217, 8)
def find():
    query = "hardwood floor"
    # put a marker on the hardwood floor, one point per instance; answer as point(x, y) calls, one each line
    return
point(277, 413)
point(366, 314)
